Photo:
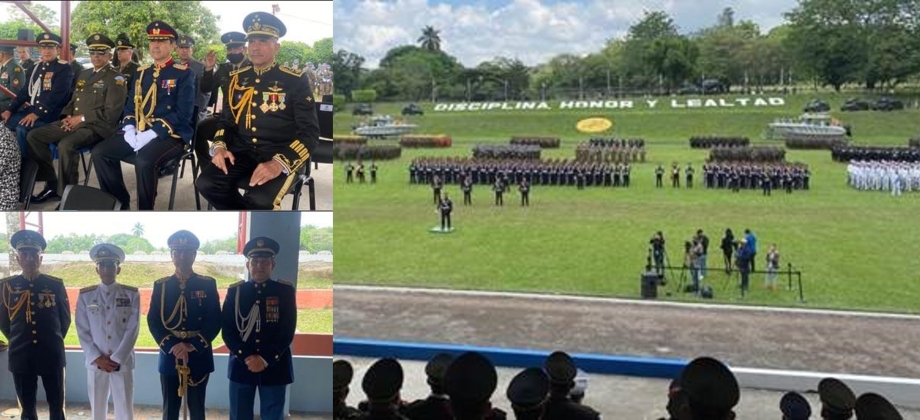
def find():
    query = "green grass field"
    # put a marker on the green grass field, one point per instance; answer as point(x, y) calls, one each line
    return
point(857, 250)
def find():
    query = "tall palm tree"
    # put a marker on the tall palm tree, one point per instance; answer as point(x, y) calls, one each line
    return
point(430, 40)
point(138, 229)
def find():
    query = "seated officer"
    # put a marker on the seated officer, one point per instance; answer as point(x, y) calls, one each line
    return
point(342, 373)
point(527, 393)
point(562, 371)
point(837, 399)
point(259, 318)
point(872, 406)
point(91, 116)
point(184, 318)
point(157, 125)
point(235, 43)
point(711, 389)
point(437, 405)
point(108, 316)
point(382, 384)
point(35, 317)
point(43, 96)
point(266, 130)
point(794, 406)
point(470, 381)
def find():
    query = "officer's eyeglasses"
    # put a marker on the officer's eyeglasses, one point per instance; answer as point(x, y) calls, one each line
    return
point(98, 52)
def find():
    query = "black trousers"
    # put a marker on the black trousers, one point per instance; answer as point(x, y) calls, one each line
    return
point(67, 142)
point(26, 387)
point(498, 199)
point(445, 220)
point(107, 158)
point(223, 193)
point(525, 199)
point(206, 130)
point(172, 404)
point(467, 198)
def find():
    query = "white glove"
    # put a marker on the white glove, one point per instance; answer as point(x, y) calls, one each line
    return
point(131, 129)
point(143, 138)
point(131, 138)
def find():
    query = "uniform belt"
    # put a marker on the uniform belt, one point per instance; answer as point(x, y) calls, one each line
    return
point(185, 334)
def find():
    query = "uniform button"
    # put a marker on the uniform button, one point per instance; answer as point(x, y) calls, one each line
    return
point(253, 103)
point(260, 292)
point(34, 332)
point(34, 341)
point(253, 129)
point(257, 302)
point(33, 322)
point(257, 340)
point(257, 80)
point(254, 139)
point(239, 352)
point(76, 109)
point(31, 285)
point(255, 92)
point(78, 99)
point(253, 117)
point(168, 106)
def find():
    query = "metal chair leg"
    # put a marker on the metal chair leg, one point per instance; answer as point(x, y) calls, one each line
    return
point(312, 193)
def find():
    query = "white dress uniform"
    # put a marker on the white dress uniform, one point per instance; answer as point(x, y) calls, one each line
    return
point(107, 324)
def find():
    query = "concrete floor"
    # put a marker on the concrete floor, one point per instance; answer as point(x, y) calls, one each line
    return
point(81, 411)
point(185, 197)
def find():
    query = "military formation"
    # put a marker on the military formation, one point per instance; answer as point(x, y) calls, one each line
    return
point(463, 388)
point(875, 153)
point(146, 114)
point(605, 150)
point(557, 172)
point(737, 176)
point(257, 323)
point(896, 177)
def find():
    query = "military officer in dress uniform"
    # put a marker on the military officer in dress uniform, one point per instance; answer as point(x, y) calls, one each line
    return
point(259, 318)
point(35, 316)
point(437, 405)
point(711, 389)
point(25, 59)
point(382, 383)
point(235, 42)
point(203, 87)
point(90, 117)
point(157, 125)
point(267, 129)
point(108, 315)
point(11, 75)
point(527, 393)
point(562, 371)
point(184, 318)
point(837, 399)
point(342, 373)
point(470, 381)
point(40, 101)
point(124, 60)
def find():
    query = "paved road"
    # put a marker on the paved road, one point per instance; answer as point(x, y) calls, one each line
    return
point(749, 337)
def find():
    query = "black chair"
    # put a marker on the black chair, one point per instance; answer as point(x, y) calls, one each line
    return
point(79, 197)
point(27, 173)
point(323, 152)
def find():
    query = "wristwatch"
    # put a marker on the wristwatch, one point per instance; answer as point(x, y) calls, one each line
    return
point(82, 118)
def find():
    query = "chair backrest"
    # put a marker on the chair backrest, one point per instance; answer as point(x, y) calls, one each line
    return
point(27, 174)
point(323, 152)
point(79, 197)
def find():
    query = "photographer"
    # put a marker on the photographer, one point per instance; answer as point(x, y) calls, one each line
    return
point(728, 248)
point(657, 243)
point(694, 250)
point(743, 263)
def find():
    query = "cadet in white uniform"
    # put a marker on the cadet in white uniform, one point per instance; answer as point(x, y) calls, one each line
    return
point(107, 322)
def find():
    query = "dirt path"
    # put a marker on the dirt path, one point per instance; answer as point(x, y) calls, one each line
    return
point(822, 342)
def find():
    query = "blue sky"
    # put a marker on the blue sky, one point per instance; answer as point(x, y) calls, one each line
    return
point(531, 30)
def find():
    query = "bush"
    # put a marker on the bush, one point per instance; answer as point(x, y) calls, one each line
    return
point(338, 101)
point(814, 144)
point(364, 96)
point(425, 141)
point(706, 142)
point(914, 142)
point(748, 154)
point(543, 142)
point(349, 139)
point(364, 152)
point(502, 151)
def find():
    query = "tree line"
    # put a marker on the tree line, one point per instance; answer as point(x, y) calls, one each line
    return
point(874, 44)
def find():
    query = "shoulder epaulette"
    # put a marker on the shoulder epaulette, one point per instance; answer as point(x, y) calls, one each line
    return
point(237, 284)
point(290, 71)
point(162, 280)
point(57, 279)
point(206, 278)
point(240, 70)
point(144, 67)
point(285, 282)
point(181, 66)
point(131, 288)
point(88, 289)
point(4, 280)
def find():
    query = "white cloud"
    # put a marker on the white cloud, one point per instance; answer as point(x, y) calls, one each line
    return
point(531, 30)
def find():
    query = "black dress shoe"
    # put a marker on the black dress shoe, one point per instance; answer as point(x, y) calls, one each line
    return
point(46, 195)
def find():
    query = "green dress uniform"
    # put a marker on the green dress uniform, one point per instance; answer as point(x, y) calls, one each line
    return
point(35, 317)
point(184, 310)
point(100, 98)
point(129, 69)
point(270, 116)
point(12, 77)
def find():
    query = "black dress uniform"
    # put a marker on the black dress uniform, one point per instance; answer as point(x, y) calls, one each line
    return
point(184, 310)
point(259, 319)
point(562, 372)
point(220, 80)
point(129, 69)
point(711, 388)
point(342, 373)
point(382, 384)
point(161, 98)
point(47, 91)
point(35, 316)
point(100, 98)
point(527, 393)
point(437, 405)
point(270, 115)
point(470, 381)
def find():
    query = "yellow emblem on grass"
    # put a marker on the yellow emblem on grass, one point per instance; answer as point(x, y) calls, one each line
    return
point(594, 125)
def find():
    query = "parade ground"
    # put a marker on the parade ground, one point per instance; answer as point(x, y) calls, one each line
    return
point(856, 250)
